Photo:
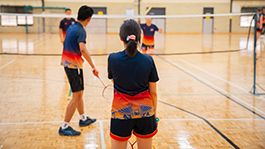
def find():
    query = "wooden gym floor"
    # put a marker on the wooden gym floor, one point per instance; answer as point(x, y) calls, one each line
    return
point(204, 99)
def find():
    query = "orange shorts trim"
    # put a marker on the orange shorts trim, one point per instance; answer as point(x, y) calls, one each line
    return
point(146, 136)
point(118, 138)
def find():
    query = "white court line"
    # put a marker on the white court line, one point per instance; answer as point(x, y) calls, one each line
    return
point(91, 146)
point(102, 138)
point(107, 120)
point(213, 75)
point(217, 77)
point(216, 87)
point(10, 62)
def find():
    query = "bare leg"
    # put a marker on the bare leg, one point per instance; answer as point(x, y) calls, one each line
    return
point(144, 143)
point(118, 144)
point(70, 110)
point(80, 105)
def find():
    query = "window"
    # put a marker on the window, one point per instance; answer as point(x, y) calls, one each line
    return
point(8, 20)
point(246, 20)
point(25, 20)
point(15, 20)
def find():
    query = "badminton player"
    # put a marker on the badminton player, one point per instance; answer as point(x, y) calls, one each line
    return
point(134, 105)
point(259, 17)
point(149, 30)
point(262, 21)
point(74, 49)
point(65, 23)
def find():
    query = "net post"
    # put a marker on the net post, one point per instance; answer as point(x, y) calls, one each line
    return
point(43, 19)
point(26, 26)
point(230, 19)
point(254, 55)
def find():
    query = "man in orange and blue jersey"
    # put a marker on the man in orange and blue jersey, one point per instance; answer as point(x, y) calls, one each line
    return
point(149, 30)
point(73, 50)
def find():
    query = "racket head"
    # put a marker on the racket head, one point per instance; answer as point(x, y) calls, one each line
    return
point(108, 92)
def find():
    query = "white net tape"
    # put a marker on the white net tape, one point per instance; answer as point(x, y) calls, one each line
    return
point(44, 15)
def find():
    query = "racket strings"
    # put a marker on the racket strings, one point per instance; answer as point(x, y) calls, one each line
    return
point(106, 87)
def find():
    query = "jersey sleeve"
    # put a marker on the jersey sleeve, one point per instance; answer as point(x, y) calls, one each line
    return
point(109, 68)
point(156, 28)
point(61, 24)
point(153, 75)
point(81, 36)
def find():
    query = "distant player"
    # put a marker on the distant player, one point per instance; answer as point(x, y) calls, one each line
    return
point(262, 21)
point(149, 30)
point(259, 26)
point(65, 23)
point(73, 50)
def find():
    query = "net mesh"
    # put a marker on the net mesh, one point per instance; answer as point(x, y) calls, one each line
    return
point(37, 35)
point(102, 33)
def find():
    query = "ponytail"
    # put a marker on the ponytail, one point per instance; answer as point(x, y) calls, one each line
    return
point(131, 45)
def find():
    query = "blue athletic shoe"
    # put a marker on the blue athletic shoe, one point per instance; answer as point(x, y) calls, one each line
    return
point(87, 122)
point(69, 131)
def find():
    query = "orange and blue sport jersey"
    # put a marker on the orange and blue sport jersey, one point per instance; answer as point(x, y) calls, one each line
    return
point(72, 57)
point(131, 77)
point(148, 34)
point(65, 24)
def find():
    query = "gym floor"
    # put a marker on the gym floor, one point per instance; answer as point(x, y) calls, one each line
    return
point(204, 99)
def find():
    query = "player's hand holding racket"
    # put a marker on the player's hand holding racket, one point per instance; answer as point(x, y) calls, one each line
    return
point(95, 72)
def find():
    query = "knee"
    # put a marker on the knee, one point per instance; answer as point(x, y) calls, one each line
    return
point(77, 95)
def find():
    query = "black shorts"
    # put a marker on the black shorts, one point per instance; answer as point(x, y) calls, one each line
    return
point(75, 78)
point(146, 47)
point(121, 130)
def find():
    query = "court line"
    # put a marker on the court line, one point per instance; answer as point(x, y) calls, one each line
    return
point(217, 89)
point(206, 121)
point(215, 76)
point(102, 138)
point(107, 120)
point(45, 80)
point(106, 54)
point(90, 146)
point(92, 85)
point(5, 65)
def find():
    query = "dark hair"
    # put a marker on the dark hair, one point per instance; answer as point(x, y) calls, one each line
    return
point(84, 12)
point(67, 9)
point(130, 27)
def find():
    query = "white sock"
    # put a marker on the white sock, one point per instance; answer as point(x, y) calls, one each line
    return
point(64, 125)
point(83, 117)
